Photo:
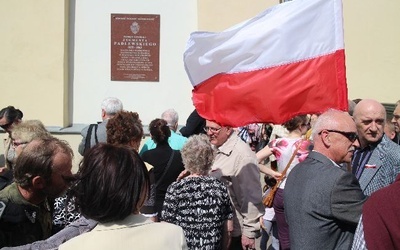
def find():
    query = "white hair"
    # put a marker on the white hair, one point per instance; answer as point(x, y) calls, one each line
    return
point(111, 105)
point(171, 116)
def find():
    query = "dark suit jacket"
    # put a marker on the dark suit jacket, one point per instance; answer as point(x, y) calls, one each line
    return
point(322, 204)
point(384, 166)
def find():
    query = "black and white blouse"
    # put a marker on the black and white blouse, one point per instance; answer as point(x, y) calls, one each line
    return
point(200, 205)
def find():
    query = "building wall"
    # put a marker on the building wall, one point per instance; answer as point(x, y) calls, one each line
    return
point(59, 73)
point(33, 62)
point(372, 49)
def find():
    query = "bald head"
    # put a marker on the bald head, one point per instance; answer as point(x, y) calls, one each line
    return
point(368, 106)
point(369, 116)
point(334, 135)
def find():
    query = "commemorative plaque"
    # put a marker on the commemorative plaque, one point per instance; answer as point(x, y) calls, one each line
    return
point(135, 47)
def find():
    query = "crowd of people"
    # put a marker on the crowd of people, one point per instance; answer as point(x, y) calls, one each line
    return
point(200, 187)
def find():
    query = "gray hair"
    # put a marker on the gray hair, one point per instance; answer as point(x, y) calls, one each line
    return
point(29, 130)
point(352, 105)
point(325, 121)
point(171, 116)
point(111, 105)
point(198, 154)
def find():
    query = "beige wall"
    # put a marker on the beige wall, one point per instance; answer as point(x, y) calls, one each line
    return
point(222, 14)
point(372, 43)
point(33, 62)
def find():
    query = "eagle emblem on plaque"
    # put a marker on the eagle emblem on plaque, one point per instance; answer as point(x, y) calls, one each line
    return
point(135, 27)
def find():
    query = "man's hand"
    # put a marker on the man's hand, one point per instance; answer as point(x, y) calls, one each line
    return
point(248, 243)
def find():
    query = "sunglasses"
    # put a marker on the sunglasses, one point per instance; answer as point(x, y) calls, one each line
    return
point(352, 136)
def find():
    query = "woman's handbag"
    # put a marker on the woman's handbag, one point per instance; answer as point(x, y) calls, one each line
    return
point(268, 200)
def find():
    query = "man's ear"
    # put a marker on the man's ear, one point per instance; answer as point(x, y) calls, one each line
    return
point(392, 135)
point(103, 113)
point(229, 130)
point(175, 127)
point(326, 140)
point(38, 182)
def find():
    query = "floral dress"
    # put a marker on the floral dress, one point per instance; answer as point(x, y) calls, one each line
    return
point(200, 205)
point(283, 149)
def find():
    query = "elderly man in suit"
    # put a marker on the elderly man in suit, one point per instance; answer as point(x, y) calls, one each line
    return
point(323, 201)
point(376, 163)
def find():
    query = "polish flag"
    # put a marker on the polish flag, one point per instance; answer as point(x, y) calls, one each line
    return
point(288, 60)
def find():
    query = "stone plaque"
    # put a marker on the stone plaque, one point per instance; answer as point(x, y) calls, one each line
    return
point(135, 47)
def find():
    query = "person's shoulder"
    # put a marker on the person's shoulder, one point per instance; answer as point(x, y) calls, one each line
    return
point(212, 179)
point(148, 141)
point(389, 150)
point(9, 192)
point(85, 130)
point(386, 144)
point(239, 144)
point(165, 226)
point(146, 154)
point(178, 184)
point(315, 162)
point(388, 192)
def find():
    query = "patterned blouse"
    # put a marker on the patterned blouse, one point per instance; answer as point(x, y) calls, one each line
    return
point(283, 149)
point(200, 205)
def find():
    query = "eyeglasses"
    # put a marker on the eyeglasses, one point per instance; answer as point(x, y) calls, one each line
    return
point(16, 144)
point(214, 130)
point(352, 136)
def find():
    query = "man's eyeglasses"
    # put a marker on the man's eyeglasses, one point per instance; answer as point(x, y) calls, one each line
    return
point(214, 130)
point(352, 136)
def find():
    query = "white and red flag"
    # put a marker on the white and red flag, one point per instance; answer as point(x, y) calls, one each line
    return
point(288, 60)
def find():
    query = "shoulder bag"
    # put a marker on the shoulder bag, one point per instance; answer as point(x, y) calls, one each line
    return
point(89, 137)
point(166, 168)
